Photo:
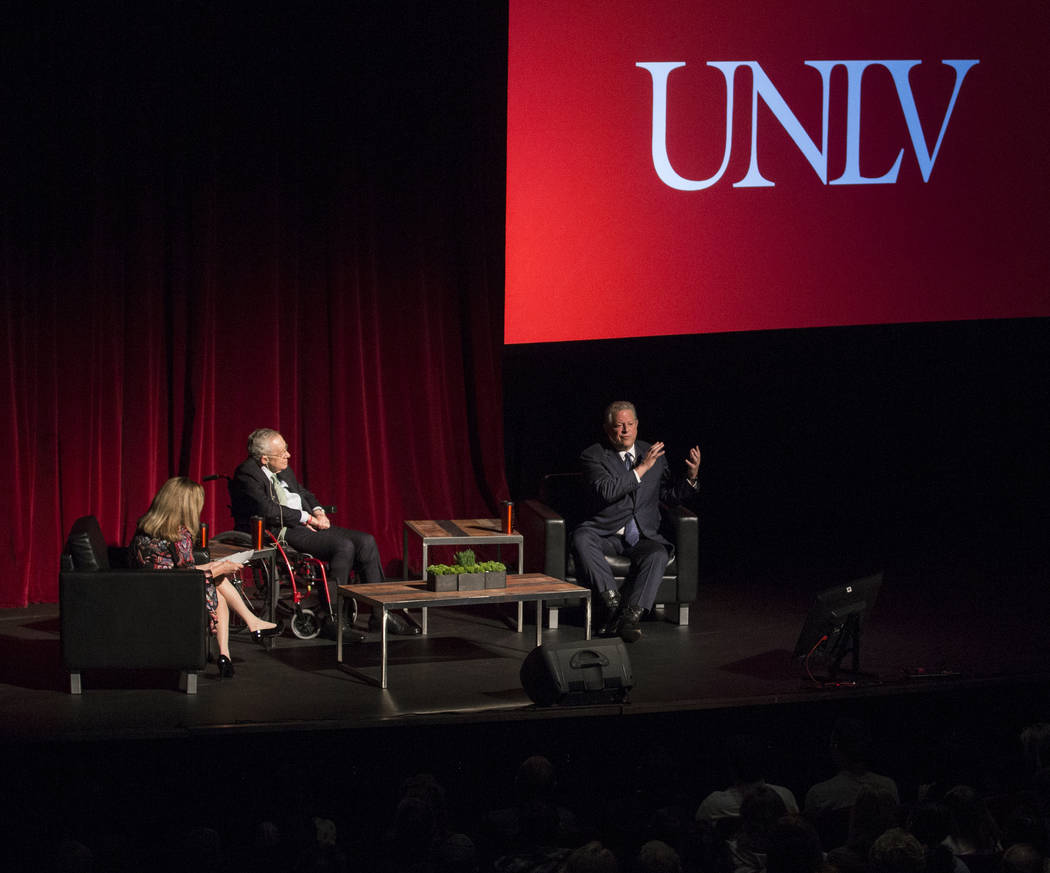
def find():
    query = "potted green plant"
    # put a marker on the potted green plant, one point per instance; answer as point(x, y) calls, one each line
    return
point(442, 577)
point(495, 574)
point(471, 577)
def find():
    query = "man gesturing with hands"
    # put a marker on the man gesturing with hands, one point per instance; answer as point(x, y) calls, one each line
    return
point(626, 479)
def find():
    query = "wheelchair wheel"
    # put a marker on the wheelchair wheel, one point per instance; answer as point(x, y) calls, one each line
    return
point(305, 624)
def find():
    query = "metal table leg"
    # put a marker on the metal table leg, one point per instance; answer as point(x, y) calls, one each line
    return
point(382, 650)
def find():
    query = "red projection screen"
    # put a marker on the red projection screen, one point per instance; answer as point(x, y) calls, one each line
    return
point(883, 162)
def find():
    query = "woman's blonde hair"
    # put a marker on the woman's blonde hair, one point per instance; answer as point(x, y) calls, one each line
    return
point(177, 505)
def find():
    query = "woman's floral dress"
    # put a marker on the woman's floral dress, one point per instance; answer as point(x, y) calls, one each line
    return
point(158, 554)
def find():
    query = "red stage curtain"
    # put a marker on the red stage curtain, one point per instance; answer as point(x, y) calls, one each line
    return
point(191, 247)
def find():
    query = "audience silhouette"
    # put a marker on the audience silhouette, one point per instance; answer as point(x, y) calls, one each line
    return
point(636, 819)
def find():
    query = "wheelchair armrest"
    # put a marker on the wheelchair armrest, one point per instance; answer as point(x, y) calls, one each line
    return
point(241, 539)
point(544, 534)
point(685, 528)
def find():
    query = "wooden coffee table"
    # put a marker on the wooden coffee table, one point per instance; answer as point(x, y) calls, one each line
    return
point(384, 596)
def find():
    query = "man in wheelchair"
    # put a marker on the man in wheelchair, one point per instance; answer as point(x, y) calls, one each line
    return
point(265, 485)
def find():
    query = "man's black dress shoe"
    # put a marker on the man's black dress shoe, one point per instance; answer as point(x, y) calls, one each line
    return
point(630, 624)
point(329, 629)
point(260, 635)
point(610, 625)
point(396, 624)
point(225, 667)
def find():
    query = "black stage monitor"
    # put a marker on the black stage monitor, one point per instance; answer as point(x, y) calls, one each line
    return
point(833, 627)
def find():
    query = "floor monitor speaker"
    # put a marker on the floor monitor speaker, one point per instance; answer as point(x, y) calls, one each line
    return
point(578, 673)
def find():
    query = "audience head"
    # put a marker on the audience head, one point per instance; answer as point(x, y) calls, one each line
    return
point(177, 505)
point(266, 835)
point(792, 846)
point(457, 854)
point(930, 822)
point(973, 821)
point(759, 811)
point(1026, 825)
point(534, 778)
point(1035, 743)
point(592, 857)
point(1022, 858)
point(72, 856)
point(656, 856)
point(874, 812)
point(426, 787)
point(897, 851)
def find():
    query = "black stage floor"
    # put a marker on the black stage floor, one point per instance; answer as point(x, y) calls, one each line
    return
point(294, 731)
point(736, 651)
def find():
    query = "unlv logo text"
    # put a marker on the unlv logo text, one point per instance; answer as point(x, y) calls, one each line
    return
point(817, 157)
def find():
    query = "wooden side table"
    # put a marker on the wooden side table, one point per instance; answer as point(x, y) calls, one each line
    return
point(456, 532)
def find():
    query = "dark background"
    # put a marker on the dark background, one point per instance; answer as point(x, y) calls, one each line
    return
point(910, 447)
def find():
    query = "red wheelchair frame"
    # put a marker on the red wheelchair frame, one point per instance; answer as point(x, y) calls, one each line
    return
point(303, 595)
point(312, 574)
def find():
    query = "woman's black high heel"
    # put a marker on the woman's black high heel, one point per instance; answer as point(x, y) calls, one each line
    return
point(260, 636)
point(225, 667)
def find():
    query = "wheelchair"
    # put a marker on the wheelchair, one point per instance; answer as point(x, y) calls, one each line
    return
point(303, 595)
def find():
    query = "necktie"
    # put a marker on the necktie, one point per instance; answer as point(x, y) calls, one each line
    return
point(630, 530)
point(280, 491)
point(282, 498)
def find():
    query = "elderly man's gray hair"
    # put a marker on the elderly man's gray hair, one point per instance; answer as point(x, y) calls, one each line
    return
point(259, 441)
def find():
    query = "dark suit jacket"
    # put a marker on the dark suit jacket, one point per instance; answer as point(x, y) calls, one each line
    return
point(252, 493)
point(615, 493)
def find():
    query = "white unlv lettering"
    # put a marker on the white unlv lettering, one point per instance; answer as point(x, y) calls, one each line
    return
point(817, 157)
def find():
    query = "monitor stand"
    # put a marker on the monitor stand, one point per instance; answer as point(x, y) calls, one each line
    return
point(847, 643)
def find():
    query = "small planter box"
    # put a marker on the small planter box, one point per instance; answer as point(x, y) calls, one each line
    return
point(442, 582)
point(471, 581)
point(481, 577)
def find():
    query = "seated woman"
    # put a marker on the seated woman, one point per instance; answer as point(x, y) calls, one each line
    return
point(164, 541)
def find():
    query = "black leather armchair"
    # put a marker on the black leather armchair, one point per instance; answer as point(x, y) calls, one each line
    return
point(128, 619)
point(546, 526)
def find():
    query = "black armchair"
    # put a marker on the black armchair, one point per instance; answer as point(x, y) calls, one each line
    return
point(546, 525)
point(128, 619)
